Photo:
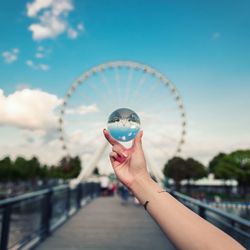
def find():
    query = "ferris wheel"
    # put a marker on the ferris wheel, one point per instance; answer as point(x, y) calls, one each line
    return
point(95, 94)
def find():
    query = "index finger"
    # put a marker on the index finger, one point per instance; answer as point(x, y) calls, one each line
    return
point(109, 138)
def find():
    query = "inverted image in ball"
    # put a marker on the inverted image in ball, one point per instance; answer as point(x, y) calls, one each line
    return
point(124, 124)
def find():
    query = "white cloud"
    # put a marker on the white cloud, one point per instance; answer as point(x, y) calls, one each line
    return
point(42, 52)
point(80, 26)
point(15, 50)
point(216, 35)
point(10, 56)
point(49, 27)
point(51, 16)
point(73, 34)
point(40, 48)
point(43, 67)
point(82, 110)
point(29, 63)
point(39, 55)
point(29, 109)
point(36, 6)
point(37, 66)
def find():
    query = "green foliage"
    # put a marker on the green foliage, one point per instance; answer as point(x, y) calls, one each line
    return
point(176, 169)
point(241, 159)
point(5, 169)
point(195, 170)
point(224, 169)
point(235, 165)
point(68, 168)
point(215, 161)
point(22, 169)
point(26, 169)
point(179, 169)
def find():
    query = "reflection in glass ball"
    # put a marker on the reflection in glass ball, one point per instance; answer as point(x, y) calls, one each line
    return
point(124, 124)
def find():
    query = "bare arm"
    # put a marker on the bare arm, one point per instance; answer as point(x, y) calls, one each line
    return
point(185, 229)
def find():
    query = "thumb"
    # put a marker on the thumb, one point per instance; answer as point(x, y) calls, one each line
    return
point(137, 143)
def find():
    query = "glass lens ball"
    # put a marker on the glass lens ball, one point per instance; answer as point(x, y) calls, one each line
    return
point(124, 124)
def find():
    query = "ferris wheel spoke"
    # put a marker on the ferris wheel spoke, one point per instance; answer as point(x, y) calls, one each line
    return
point(84, 96)
point(97, 92)
point(141, 82)
point(162, 110)
point(151, 91)
point(118, 86)
point(158, 102)
point(127, 90)
point(110, 96)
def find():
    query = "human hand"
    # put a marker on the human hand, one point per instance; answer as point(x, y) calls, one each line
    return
point(129, 164)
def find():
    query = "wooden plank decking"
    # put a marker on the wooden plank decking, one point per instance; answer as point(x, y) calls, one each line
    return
point(107, 224)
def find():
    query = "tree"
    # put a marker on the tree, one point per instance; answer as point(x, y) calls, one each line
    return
point(26, 169)
point(43, 172)
point(75, 168)
point(215, 161)
point(20, 168)
point(235, 165)
point(5, 169)
point(176, 168)
point(34, 168)
point(240, 162)
point(68, 168)
point(224, 169)
point(179, 169)
point(195, 170)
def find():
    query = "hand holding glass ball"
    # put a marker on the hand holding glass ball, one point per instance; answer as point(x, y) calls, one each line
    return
point(128, 163)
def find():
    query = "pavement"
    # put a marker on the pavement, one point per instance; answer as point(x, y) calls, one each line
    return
point(105, 224)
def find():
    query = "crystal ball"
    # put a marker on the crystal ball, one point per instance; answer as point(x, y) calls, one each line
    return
point(124, 124)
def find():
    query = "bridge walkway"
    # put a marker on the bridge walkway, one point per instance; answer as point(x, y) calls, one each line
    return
point(107, 224)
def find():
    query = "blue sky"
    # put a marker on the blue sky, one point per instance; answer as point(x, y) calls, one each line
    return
point(202, 46)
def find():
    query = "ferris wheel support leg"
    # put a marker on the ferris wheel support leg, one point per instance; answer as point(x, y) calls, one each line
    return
point(89, 168)
point(156, 173)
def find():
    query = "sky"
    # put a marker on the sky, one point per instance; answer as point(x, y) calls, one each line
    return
point(201, 46)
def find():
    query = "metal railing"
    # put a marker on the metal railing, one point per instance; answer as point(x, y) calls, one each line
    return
point(28, 219)
point(234, 225)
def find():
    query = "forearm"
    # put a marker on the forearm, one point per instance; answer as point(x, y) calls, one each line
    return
point(184, 228)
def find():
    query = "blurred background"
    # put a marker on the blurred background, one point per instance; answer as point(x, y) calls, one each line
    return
point(196, 130)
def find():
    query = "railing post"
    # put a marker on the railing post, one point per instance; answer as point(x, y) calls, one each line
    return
point(84, 190)
point(233, 223)
point(92, 190)
point(46, 213)
point(202, 212)
point(5, 228)
point(79, 195)
point(68, 201)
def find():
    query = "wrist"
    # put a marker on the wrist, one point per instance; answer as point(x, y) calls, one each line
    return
point(143, 187)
